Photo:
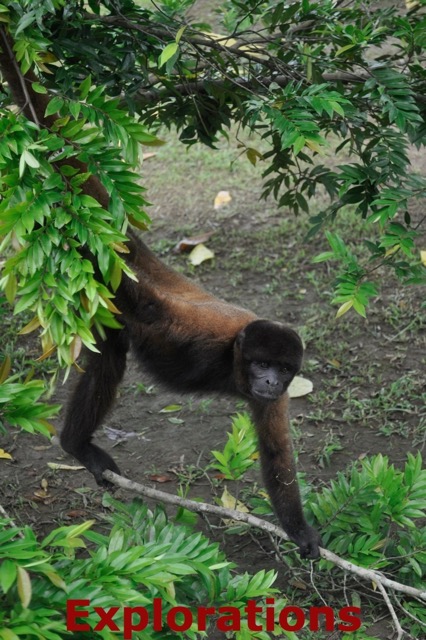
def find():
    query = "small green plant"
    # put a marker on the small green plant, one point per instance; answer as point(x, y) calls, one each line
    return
point(405, 395)
point(371, 514)
point(144, 389)
point(20, 404)
point(239, 453)
point(331, 445)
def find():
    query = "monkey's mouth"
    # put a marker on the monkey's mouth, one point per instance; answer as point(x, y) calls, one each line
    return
point(262, 396)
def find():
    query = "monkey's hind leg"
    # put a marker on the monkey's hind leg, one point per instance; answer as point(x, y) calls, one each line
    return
point(91, 401)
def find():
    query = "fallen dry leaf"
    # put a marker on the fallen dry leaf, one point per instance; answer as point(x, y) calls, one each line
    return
point(41, 494)
point(228, 501)
point(186, 244)
point(335, 363)
point(222, 198)
point(200, 254)
point(76, 513)
point(160, 478)
point(300, 387)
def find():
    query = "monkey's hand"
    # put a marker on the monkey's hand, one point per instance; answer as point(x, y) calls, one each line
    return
point(308, 541)
point(103, 462)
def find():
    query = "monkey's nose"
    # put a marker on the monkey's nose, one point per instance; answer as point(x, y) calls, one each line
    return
point(272, 383)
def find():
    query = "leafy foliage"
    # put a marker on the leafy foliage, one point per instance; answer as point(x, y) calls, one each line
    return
point(45, 212)
point(371, 514)
point(20, 404)
point(141, 558)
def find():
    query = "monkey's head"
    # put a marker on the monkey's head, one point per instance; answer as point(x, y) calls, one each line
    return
point(267, 357)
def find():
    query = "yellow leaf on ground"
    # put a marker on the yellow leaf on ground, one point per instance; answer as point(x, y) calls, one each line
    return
point(171, 408)
point(200, 254)
point(4, 455)
point(222, 198)
point(230, 502)
point(423, 257)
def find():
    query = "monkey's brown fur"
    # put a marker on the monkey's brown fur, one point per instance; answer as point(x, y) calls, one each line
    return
point(189, 340)
point(193, 342)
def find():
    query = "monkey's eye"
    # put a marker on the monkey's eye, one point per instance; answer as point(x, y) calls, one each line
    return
point(284, 369)
point(263, 365)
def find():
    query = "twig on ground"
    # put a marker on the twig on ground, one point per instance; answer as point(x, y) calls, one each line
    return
point(11, 522)
point(399, 629)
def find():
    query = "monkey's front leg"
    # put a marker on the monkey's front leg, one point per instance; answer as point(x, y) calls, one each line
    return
point(279, 472)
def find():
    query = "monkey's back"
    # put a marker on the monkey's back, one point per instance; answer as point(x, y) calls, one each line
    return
point(183, 335)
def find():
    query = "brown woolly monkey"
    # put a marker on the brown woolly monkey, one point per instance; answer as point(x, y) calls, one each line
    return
point(189, 340)
point(192, 342)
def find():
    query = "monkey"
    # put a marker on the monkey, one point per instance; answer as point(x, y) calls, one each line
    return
point(188, 339)
point(191, 341)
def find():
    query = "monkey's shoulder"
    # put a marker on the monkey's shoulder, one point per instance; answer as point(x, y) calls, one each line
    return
point(206, 316)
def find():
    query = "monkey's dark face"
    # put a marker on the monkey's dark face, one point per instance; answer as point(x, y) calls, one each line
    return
point(271, 355)
point(268, 380)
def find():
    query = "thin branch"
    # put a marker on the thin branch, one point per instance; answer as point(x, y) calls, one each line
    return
point(12, 523)
point(254, 83)
point(191, 38)
point(26, 99)
point(202, 507)
point(399, 629)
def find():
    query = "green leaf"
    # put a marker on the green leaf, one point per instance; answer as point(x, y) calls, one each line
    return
point(298, 145)
point(85, 87)
point(26, 20)
point(8, 574)
point(39, 88)
point(171, 408)
point(179, 33)
point(54, 106)
point(168, 53)
point(30, 160)
point(345, 48)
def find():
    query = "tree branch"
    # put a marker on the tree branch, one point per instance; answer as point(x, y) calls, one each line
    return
point(252, 48)
point(259, 84)
point(17, 81)
point(202, 507)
